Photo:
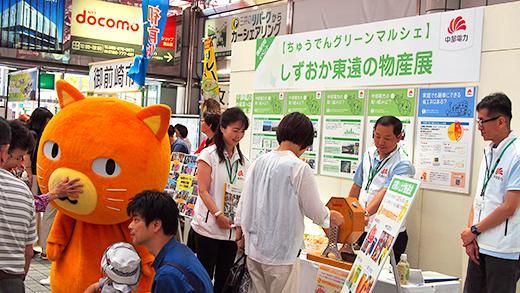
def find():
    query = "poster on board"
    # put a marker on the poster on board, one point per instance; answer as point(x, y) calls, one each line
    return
point(342, 138)
point(396, 102)
point(390, 216)
point(444, 140)
point(308, 103)
point(268, 109)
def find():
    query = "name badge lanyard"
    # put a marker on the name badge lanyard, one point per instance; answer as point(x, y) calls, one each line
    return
point(372, 176)
point(230, 171)
point(488, 174)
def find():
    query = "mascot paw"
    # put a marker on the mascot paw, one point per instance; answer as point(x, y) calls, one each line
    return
point(148, 271)
point(54, 251)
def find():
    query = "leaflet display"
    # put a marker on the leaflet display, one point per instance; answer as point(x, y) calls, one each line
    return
point(444, 143)
point(342, 143)
point(268, 109)
point(308, 103)
point(182, 183)
point(396, 102)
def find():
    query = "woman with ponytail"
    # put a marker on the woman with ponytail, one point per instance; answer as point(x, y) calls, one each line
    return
point(219, 165)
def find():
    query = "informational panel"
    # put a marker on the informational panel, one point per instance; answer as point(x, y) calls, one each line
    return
point(396, 102)
point(308, 103)
point(379, 241)
point(444, 140)
point(425, 49)
point(23, 85)
point(329, 280)
point(182, 183)
point(244, 102)
point(268, 109)
point(342, 139)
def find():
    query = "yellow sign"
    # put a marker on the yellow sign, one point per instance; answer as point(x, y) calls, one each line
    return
point(184, 182)
point(209, 72)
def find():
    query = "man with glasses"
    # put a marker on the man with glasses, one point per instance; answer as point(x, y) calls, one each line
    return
point(492, 239)
point(18, 222)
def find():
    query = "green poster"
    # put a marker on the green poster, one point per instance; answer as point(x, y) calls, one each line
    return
point(403, 187)
point(345, 103)
point(268, 104)
point(244, 102)
point(23, 85)
point(396, 102)
point(308, 103)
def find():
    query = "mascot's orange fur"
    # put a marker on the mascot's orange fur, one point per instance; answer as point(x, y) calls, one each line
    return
point(117, 149)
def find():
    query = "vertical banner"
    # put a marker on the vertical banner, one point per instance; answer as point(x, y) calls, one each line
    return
point(154, 17)
point(267, 114)
point(396, 102)
point(209, 85)
point(342, 143)
point(375, 249)
point(308, 103)
point(444, 142)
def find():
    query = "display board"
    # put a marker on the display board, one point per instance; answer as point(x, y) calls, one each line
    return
point(444, 141)
point(396, 102)
point(378, 243)
point(182, 183)
point(308, 103)
point(342, 139)
point(244, 102)
point(23, 85)
point(268, 110)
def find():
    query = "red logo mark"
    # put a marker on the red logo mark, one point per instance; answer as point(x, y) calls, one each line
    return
point(499, 171)
point(385, 171)
point(457, 24)
point(240, 173)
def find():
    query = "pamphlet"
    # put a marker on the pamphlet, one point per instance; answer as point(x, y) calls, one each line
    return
point(182, 183)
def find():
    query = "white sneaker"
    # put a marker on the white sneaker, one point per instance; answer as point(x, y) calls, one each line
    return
point(46, 282)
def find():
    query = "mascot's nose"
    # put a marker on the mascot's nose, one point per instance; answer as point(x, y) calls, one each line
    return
point(87, 201)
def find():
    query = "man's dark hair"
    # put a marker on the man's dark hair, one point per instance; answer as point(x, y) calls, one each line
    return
point(21, 137)
point(5, 132)
point(171, 130)
point(296, 128)
point(497, 104)
point(183, 131)
point(390, 121)
point(153, 204)
point(38, 119)
point(212, 119)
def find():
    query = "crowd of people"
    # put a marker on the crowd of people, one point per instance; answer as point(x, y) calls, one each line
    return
point(277, 191)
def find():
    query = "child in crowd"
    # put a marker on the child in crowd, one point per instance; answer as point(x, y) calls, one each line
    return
point(122, 266)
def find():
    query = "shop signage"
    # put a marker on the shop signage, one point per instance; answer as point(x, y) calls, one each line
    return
point(444, 141)
point(434, 48)
point(111, 76)
point(263, 23)
point(23, 85)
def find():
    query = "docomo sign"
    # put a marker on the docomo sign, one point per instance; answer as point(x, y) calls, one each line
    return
point(104, 22)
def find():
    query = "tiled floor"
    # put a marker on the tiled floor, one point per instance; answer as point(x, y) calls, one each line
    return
point(40, 269)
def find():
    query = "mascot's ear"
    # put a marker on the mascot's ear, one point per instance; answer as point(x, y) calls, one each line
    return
point(67, 93)
point(157, 118)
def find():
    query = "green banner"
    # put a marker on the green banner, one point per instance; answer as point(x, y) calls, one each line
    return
point(268, 104)
point(396, 102)
point(262, 46)
point(344, 103)
point(305, 102)
point(403, 187)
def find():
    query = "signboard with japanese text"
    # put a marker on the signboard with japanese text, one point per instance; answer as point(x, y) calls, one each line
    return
point(209, 86)
point(111, 76)
point(110, 30)
point(444, 142)
point(381, 237)
point(329, 280)
point(268, 110)
point(23, 85)
point(342, 139)
point(308, 103)
point(433, 48)
point(244, 102)
point(262, 23)
point(396, 102)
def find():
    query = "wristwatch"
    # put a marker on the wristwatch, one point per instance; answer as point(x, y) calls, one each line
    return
point(217, 214)
point(474, 230)
point(367, 214)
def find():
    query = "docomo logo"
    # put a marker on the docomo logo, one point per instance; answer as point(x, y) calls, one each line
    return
point(104, 22)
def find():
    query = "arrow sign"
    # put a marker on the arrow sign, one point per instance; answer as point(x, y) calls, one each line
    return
point(168, 57)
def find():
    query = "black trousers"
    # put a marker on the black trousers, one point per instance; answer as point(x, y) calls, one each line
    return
point(399, 246)
point(216, 256)
point(492, 275)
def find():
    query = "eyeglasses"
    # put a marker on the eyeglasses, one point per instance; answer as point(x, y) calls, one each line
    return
point(201, 120)
point(9, 156)
point(481, 122)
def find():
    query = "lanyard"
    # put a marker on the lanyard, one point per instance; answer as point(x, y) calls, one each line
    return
point(372, 176)
point(489, 175)
point(230, 171)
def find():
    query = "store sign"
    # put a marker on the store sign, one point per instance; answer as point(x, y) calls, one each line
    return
point(110, 30)
point(436, 48)
point(23, 85)
point(264, 23)
point(111, 76)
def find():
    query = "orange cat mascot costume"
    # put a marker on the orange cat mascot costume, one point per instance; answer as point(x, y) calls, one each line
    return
point(117, 149)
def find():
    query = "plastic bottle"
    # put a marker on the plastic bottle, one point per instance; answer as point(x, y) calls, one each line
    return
point(403, 268)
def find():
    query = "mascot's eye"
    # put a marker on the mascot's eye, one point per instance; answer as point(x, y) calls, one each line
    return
point(51, 150)
point(106, 167)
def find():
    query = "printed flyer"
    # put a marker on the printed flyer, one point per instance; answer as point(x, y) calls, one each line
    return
point(268, 110)
point(330, 280)
point(396, 102)
point(378, 244)
point(182, 183)
point(444, 142)
point(308, 103)
point(232, 193)
point(342, 139)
